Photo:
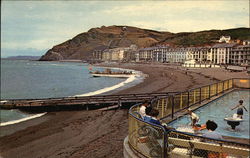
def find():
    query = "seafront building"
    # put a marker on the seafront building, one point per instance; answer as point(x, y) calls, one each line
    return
point(240, 55)
point(237, 53)
point(220, 53)
point(232, 54)
point(115, 54)
point(224, 53)
point(197, 53)
point(172, 55)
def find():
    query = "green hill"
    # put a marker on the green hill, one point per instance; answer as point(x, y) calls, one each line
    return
point(82, 45)
point(206, 37)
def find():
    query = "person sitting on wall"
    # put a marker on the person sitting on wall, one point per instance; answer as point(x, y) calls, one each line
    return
point(153, 119)
point(148, 110)
point(240, 107)
point(193, 117)
point(143, 107)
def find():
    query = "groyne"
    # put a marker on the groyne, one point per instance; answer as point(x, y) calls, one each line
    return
point(78, 103)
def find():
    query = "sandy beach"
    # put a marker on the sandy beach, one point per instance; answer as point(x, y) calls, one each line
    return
point(96, 134)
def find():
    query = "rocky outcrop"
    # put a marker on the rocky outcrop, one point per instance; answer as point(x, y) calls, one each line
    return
point(82, 45)
point(52, 56)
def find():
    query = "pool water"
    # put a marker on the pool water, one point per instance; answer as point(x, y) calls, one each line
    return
point(220, 108)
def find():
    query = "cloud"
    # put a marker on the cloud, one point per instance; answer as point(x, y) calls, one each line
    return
point(175, 16)
point(175, 7)
point(191, 25)
point(43, 24)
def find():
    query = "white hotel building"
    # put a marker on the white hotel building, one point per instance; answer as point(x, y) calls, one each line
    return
point(220, 53)
point(172, 55)
point(225, 53)
point(232, 54)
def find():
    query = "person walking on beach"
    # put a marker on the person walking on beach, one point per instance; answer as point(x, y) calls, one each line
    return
point(240, 108)
point(193, 117)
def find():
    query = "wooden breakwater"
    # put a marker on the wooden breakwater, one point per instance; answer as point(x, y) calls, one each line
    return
point(78, 103)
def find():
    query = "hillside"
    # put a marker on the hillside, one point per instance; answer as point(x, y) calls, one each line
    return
point(81, 46)
point(206, 37)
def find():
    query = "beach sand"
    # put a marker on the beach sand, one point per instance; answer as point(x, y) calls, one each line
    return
point(94, 134)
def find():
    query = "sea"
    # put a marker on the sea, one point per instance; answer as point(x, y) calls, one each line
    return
point(24, 79)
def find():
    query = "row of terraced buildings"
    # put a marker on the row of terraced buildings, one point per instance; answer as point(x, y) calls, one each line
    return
point(221, 53)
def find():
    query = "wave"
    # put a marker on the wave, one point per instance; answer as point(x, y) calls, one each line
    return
point(132, 78)
point(21, 120)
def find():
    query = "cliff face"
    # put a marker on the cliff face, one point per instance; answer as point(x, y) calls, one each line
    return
point(82, 45)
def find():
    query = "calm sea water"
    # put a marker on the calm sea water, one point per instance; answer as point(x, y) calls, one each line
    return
point(218, 110)
point(22, 79)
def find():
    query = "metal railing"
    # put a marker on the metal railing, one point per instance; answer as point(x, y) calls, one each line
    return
point(150, 140)
point(182, 144)
point(145, 138)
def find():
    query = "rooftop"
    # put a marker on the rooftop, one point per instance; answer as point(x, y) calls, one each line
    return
point(224, 45)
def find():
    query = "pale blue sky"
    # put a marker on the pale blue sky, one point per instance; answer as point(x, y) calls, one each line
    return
point(32, 27)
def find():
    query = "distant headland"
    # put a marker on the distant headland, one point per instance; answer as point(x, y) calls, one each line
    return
point(22, 58)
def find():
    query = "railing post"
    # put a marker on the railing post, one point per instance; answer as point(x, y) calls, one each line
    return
point(223, 87)
point(188, 99)
point(165, 145)
point(216, 88)
point(119, 103)
point(172, 101)
point(209, 94)
point(233, 83)
point(200, 95)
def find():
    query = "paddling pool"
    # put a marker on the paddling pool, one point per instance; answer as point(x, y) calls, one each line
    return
point(220, 108)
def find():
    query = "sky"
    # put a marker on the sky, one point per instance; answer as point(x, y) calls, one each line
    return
point(33, 27)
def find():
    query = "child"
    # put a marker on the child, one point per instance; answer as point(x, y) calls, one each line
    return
point(194, 118)
point(240, 107)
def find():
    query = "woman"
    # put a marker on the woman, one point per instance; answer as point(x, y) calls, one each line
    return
point(143, 107)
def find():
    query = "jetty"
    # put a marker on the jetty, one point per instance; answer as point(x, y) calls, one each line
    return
point(110, 73)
